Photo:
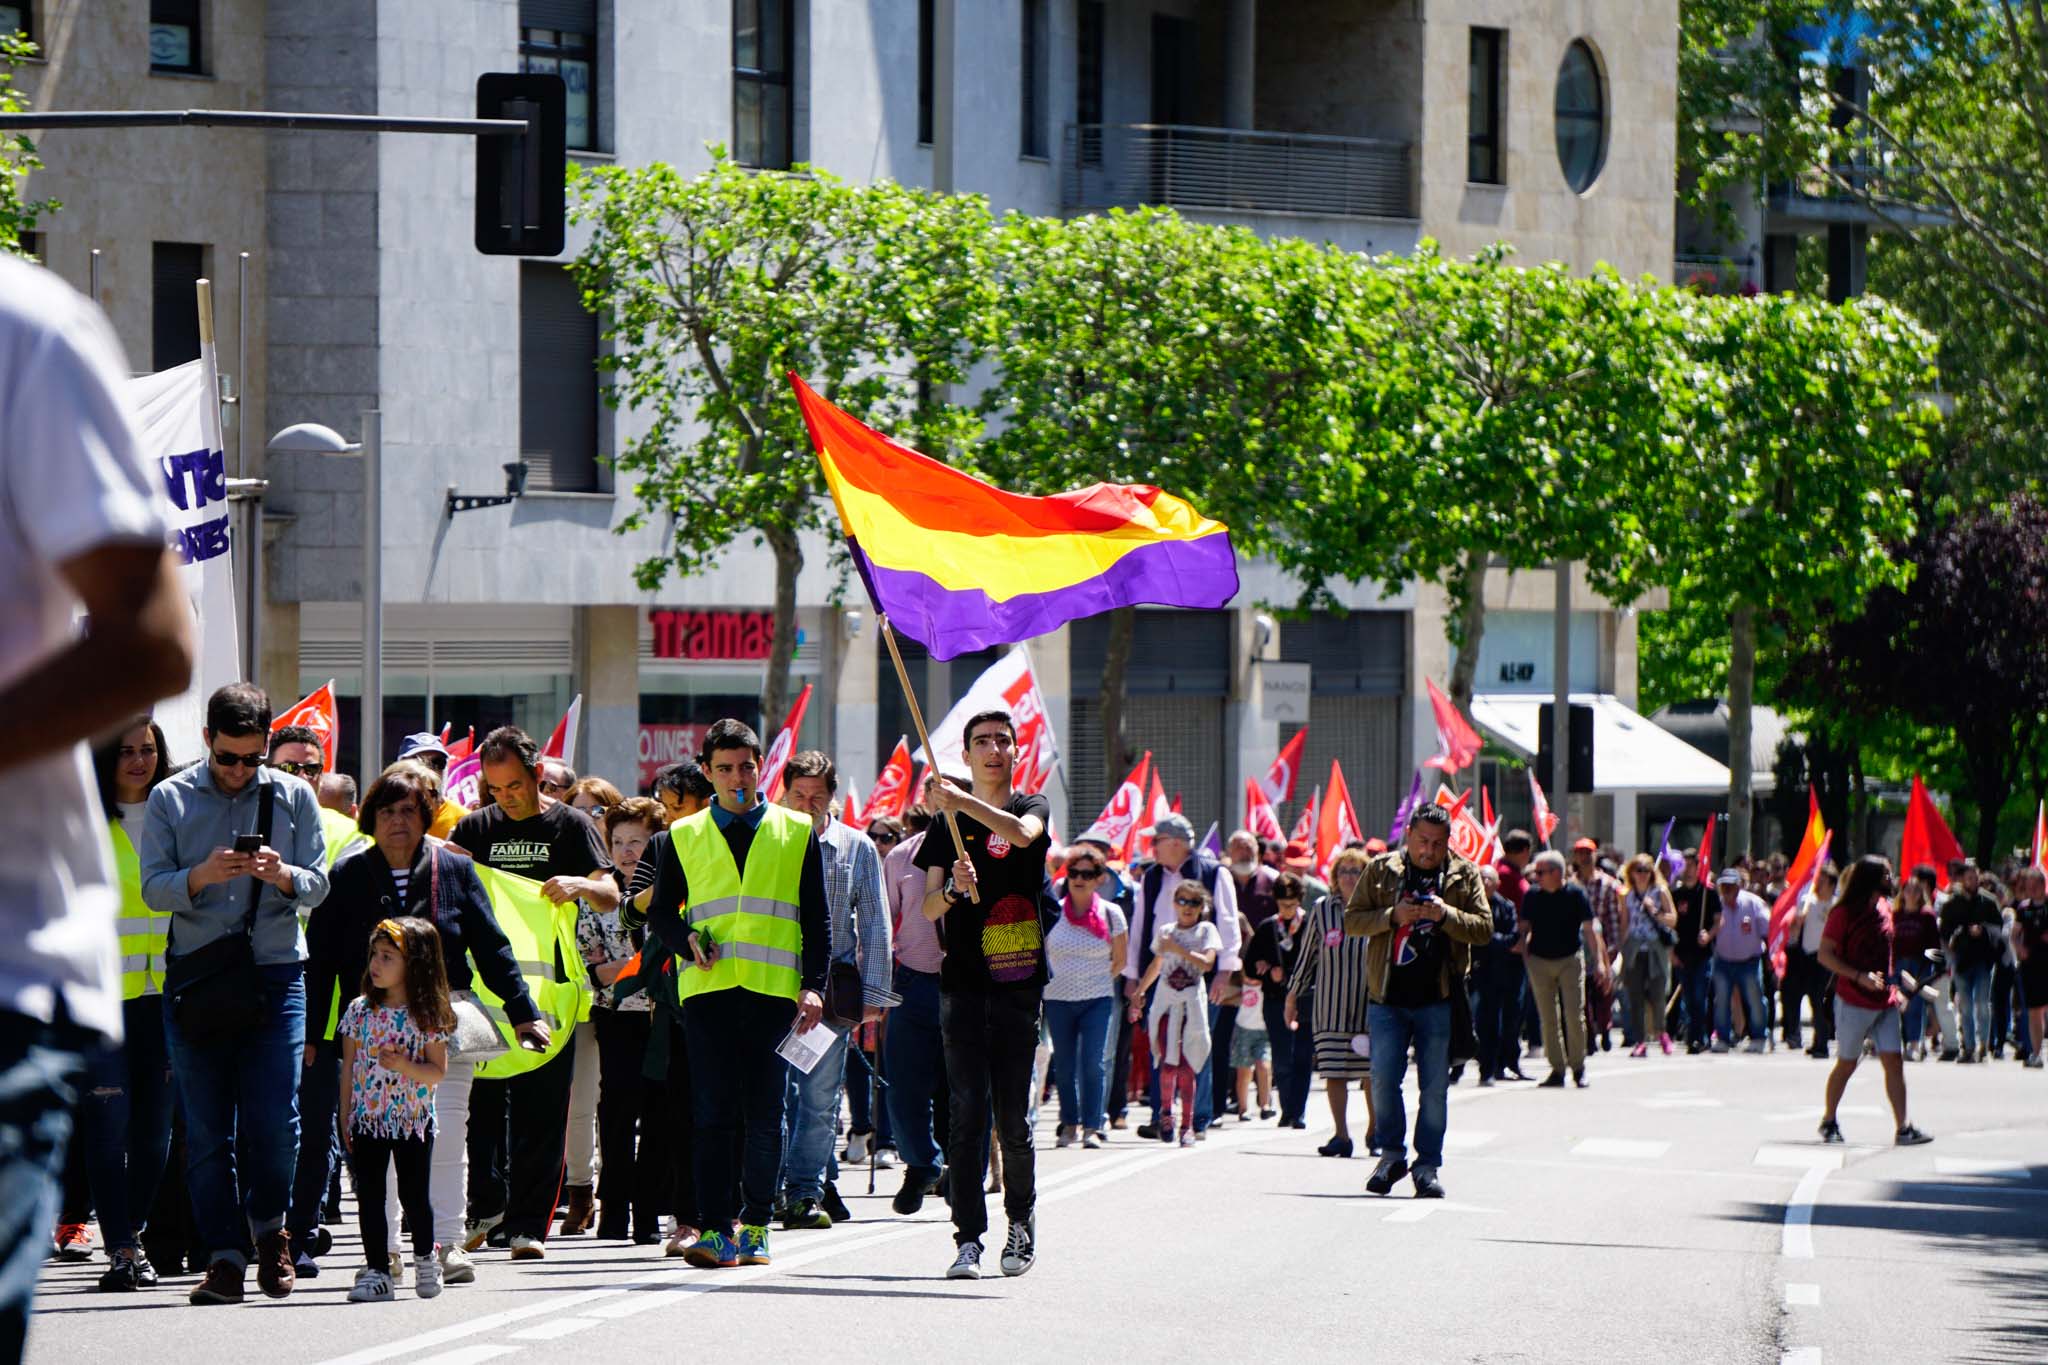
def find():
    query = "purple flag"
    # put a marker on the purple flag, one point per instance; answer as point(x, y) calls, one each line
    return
point(1212, 842)
point(1405, 809)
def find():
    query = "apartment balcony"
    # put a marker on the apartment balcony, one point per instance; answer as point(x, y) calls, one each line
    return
point(1235, 171)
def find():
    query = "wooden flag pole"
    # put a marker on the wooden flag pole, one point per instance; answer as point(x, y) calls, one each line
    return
point(917, 721)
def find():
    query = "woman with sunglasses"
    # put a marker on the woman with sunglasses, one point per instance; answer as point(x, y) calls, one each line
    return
point(1085, 953)
point(1328, 985)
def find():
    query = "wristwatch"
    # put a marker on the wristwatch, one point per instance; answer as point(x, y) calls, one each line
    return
point(954, 895)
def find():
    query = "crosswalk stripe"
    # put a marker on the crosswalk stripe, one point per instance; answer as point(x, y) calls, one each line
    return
point(1632, 1149)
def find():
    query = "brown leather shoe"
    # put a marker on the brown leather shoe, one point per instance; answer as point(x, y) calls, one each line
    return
point(223, 1284)
point(581, 1212)
point(274, 1273)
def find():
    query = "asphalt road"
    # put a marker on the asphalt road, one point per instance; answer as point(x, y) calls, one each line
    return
point(1679, 1210)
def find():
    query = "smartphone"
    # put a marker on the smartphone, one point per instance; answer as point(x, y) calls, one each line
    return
point(248, 843)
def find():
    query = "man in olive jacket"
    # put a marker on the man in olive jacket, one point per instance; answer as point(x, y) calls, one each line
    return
point(1424, 910)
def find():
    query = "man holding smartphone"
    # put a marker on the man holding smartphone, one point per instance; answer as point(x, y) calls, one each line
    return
point(207, 861)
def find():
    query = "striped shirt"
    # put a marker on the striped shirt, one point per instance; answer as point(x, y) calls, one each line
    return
point(860, 916)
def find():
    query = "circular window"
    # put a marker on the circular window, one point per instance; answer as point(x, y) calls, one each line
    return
point(1581, 117)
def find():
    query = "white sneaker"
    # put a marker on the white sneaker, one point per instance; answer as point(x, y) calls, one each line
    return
point(1066, 1138)
point(966, 1262)
point(1717, 1046)
point(426, 1276)
point(529, 1249)
point(1756, 1045)
point(397, 1262)
point(857, 1147)
point(885, 1158)
point(1092, 1141)
point(372, 1286)
point(456, 1267)
point(476, 1230)
point(1020, 1251)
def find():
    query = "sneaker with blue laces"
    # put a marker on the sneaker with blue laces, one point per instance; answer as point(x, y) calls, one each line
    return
point(713, 1250)
point(753, 1245)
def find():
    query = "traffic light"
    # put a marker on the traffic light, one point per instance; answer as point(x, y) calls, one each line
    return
point(1581, 739)
point(520, 181)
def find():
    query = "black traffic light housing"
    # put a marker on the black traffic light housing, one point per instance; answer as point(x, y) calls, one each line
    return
point(521, 181)
point(1581, 739)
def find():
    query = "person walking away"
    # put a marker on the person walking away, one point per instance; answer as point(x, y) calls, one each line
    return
point(1500, 979)
point(530, 833)
point(1974, 931)
point(1556, 923)
point(1740, 930)
point(1085, 955)
point(1806, 981)
point(1275, 950)
point(235, 855)
point(914, 1048)
point(752, 957)
point(1646, 958)
point(636, 1185)
point(2030, 946)
point(1177, 1027)
point(988, 898)
point(1693, 954)
point(394, 1051)
point(1424, 908)
point(1857, 947)
point(1328, 990)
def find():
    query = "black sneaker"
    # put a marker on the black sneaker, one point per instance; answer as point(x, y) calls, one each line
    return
point(916, 1185)
point(966, 1262)
point(834, 1205)
point(1830, 1131)
point(120, 1277)
point(1909, 1136)
point(1390, 1169)
point(145, 1273)
point(805, 1213)
point(1020, 1251)
point(1427, 1186)
point(1554, 1081)
point(1579, 1078)
point(319, 1242)
point(1149, 1131)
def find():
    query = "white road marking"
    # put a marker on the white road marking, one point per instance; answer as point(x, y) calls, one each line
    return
point(1965, 1165)
point(1680, 1099)
point(553, 1329)
point(1992, 1132)
point(1801, 1355)
point(1811, 1113)
point(1634, 1149)
point(1415, 1210)
point(1797, 1244)
point(468, 1355)
point(1802, 1296)
point(1799, 1158)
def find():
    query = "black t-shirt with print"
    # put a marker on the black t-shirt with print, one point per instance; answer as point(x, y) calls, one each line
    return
point(1000, 943)
point(560, 841)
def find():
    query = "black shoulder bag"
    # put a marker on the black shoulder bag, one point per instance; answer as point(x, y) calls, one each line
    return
point(216, 992)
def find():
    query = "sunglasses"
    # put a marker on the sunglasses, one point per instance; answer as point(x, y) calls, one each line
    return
point(238, 760)
point(1192, 901)
point(886, 838)
point(1083, 874)
point(295, 769)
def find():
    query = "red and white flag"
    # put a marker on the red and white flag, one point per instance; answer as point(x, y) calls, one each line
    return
point(1259, 816)
point(562, 743)
point(891, 796)
point(849, 808)
point(1336, 821)
point(785, 744)
point(1117, 826)
point(1157, 808)
point(1470, 839)
point(1007, 685)
point(317, 713)
point(1458, 744)
point(1546, 823)
point(461, 748)
point(1286, 770)
point(1305, 824)
point(2040, 850)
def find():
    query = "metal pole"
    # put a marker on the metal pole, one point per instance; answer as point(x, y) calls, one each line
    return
point(373, 597)
point(944, 29)
point(92, 277)
point(253, 543)
point(1561, 708)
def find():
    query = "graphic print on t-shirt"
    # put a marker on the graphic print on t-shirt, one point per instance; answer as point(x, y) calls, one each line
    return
point(509, 854)
point(1011, 938)
point(1412, 940)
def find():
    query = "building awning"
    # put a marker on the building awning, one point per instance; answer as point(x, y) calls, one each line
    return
point(1630, 753)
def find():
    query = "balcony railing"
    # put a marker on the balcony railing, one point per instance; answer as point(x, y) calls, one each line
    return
point(1233, 170)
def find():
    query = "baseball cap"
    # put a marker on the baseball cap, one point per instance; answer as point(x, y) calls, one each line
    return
point(1730, 876)
point(423, 742)
point(1584, 846)
point(1173, 826)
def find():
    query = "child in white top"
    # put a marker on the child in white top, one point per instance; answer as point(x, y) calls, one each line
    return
point(1178, 1027)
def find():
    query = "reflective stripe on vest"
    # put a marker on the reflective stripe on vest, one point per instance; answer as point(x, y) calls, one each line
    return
point(751, 916)
point(145, 934)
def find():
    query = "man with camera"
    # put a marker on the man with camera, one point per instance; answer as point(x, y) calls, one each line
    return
point(233, 854)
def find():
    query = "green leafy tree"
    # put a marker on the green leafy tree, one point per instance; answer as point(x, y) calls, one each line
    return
point(18, 158)
point(714, 287)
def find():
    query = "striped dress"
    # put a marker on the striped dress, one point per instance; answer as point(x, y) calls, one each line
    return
point(1331, 975)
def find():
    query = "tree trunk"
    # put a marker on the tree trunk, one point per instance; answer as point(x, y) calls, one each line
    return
point(1741, 696)
point(789, 562)
point(1989, 787)
point(1116, 664)
point(1471, 628)
point(1859, 811)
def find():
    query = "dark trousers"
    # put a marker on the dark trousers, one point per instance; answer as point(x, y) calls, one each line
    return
point(2005, 993)
point(124, 1123)
point(1806, 981)
point(319, 1140)
point(1696, 998)
point(1119, 1095)
point(917, 1072)
point(519, 1172)
point(736, 1085)
point(1498, 1014)
point(369, 1158)
point(865, 1111)
point(676, 1139)
point(1294, 1053)
point(990, 1040)
point(41, 1068)
point(634, 1176)
point(1222, 1024)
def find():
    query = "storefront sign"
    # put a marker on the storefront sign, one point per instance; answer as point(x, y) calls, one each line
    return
point(661, 745)
point(723, 635)
point(1283, 692)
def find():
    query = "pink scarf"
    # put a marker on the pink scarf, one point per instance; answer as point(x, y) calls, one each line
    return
point(1094, 921)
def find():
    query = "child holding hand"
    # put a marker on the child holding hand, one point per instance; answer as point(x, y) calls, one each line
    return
point(1178, 1027)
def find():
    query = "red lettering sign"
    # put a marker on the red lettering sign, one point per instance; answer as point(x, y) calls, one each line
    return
point(723, 635)
point(661, 745)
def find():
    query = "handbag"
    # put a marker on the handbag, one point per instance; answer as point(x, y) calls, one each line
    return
point(216, 992)
point(845, 998)
point(476, 1038)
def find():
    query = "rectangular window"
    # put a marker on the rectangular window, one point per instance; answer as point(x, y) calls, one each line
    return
point(1032, 69)
point(18, 19)
point(31, 244)
point(174, 36)
point(1484, 162)
point(1088, 42)
point(558, 392)
point(560, 37)
point(926, 75)
point(175, 267)
point(762, 48)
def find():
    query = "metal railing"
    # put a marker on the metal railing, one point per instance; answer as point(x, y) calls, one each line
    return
point(1234, 170)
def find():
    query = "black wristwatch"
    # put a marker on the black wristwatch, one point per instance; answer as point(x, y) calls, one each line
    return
point(954, 895)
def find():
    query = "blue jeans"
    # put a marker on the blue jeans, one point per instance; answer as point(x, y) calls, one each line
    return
point(1222, 1023)
point(1393, 1030)
point(319, 1141)
point(1080, 1059)
point(1973, 1003)
point(124, 1122)
point(241, 1103)
point(811, 1114)
point(915, 1054)
point(41, 1068)
point(1697, 978)
point(1294, 1052)
point(1731, 978)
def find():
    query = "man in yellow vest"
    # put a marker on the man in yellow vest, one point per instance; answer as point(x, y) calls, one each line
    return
point(741, 899)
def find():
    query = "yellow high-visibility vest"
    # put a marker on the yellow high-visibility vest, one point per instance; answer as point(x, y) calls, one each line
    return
point(145, 934)
point(537, 930)
point(342, 834)
point(752, 916)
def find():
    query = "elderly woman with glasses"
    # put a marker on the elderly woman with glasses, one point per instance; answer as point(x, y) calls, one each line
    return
point(402, 872)
point(1085, 954)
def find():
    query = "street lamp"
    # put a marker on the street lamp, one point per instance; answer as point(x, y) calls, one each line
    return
point(311, 438)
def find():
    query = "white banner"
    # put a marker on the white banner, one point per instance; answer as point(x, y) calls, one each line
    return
point(1008, 685)
point(179, 414)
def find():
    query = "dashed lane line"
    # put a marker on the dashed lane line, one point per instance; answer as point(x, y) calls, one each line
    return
point(1625, 1149)
point(1802, 1296)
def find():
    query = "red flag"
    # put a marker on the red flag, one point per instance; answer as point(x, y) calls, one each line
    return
point(784, 745)
point(1117, 826)
point(562, 743)
point(1286, 769)
point(2040, 850)
point(317, 713)
point(1546, 823)
point(1458, 743)
point(1176, 803)
point(1259, 815)
point(1486, 815)
point(1336, 821)
point(1927, 838)
point(892, 790)
point(461, 748)
point(1470, 839)
point(1305, 827)
point(1156, 809)
point(1707, 853)
point(1812, 850)
point(849, 809)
